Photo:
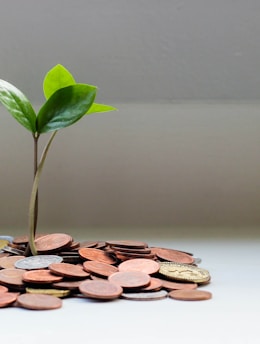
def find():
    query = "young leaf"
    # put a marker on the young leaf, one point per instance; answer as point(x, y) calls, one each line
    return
point(58, 77)
point(65, 107)
point(100, 108)
point(18, 105)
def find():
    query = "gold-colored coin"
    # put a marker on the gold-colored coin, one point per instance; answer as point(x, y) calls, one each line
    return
point(3, 243)
point(184, 272)
point(53, 292)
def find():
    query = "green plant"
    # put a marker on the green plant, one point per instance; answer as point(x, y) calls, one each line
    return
point(66, 103)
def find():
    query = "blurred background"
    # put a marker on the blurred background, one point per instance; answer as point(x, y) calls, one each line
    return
point(182, 151)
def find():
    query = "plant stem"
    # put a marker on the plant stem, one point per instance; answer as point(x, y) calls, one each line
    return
point(34, 194)
point(35, 137)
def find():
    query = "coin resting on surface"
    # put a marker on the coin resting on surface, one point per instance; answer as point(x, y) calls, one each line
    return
point(100, 289)
point(40, 276)
point(53, 242)
point(68, 270)
point(130, 279)
point(184, 272)
point(7, 298)
point(190, 295)
point(146, 296)
point(140, 264)
point(38, 301)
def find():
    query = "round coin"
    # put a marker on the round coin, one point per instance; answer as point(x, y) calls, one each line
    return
point(140, 264)
point(9, 262)
point(53, 242)
point(68, 270)
point(40, 276)
point(190, 295)
point(12, 278)
point(6, 299)
point(169, 285)
point(3, 243)
point(99, 289)
point(127, 243)
point(154, 285)
point(37, 262)
point(96, 254)
point(39, 301)
point(3, 289)
point(146, 296)
point(98, 268)
point(130, 279)
point(171, 255)
point(184, 272)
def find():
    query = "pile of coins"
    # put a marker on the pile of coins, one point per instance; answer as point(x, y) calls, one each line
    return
point(107, 270)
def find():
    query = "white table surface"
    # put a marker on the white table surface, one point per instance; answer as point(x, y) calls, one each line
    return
point(231, 316)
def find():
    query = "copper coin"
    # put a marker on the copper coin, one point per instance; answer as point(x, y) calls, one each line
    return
point(130, 279)
point(68, 270)
point(6, 299)
point(132, 250)
point(70, 285)
point(89, 244)
point(99, 268)
point(53, 242)
point(171, 255)
point(39, 301)
point(9, 262)
point(3, 289)
point(40, 276)
point(155, 285)
point(140, 264)
point(98, 289)
point(96, 254)
point(146, 296)
point(24, 239)
point(126, 255)
point(190, 295)
point(177, 286)
point(12, 277)
point(127, 243)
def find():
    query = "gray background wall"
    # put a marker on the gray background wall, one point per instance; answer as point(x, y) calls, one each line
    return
point(183, 147)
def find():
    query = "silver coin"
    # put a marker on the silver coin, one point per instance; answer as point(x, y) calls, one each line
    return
point(12, 250)
point(37, 262)
point(197, 260)
point(6, 237)
point(145, 296)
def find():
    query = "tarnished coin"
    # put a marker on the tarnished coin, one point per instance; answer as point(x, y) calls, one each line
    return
point(127, 243)
point(40, 277)
point(9, 262)
point(37, 262)
point(130, 279)
point(68, 270)
point(171, 255)
point(184, 272)
point(190, 295)
point(53, 242)
point(96, 254)
point(140, 264)
point(39, 301)
point(145, 296)
point(98, 268)
point(99, 289)
point(6, 299)
point(53, 292)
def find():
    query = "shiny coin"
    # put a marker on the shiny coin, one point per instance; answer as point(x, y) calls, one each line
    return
point(6, 299)
point(53, 242)
point(98, 268)
point(53, 292)
point(68, 270)
point(130, 279)
point(99, 289)
point(37, 262)
point(39, 301)
point(184, 272)
point(9, 262)
point(140, 264)
point(190, 295)
point(172, 255)
point(146, 296)
point(40, 277)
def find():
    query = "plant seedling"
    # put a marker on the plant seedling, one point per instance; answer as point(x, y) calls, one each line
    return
point(66, 103)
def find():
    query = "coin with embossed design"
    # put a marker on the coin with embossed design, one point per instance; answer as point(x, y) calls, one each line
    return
point(37, 262)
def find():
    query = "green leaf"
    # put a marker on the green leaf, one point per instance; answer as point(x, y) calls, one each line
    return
point(18, 105)
point(65, 107)
point(100, 108)
point(58, 77)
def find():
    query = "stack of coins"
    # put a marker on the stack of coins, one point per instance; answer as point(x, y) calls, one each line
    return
point(105, 270)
